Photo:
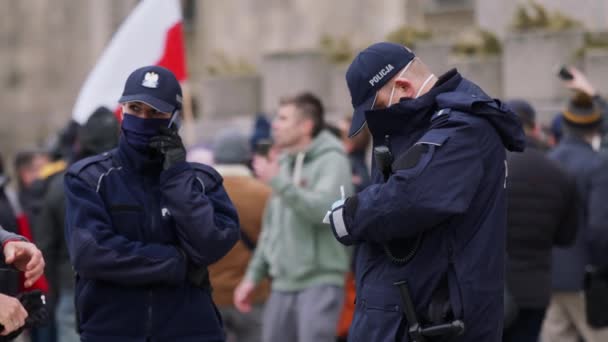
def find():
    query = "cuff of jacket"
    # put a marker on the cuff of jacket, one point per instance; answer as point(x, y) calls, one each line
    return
point(13, 239)
point(174, 170)
point(340, 219)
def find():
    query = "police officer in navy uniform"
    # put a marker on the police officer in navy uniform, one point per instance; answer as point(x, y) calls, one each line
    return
point(142, 225)
point(431, 229)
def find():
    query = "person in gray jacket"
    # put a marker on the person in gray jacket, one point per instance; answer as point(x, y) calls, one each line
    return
point(24, 256)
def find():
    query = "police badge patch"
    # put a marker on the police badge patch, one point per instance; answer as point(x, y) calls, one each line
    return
point(150, 80)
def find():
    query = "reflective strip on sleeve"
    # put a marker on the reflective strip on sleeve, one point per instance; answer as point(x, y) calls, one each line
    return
point(338, 222)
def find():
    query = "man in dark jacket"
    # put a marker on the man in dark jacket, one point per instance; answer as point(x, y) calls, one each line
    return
point(142, 225)
point(566, 317)
point(99, 134)
point(438, 222)
point(542, 213)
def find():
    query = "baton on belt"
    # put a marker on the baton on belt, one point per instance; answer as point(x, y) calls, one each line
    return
point(415, 330)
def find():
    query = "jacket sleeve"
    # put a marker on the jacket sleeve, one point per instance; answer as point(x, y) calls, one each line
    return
point(47, 228)
point(206, 221)
point(439, 184)
point(566, 231)
point(6, 236)
point(598, 215)
point(98, 252)
point(258, 267)
point(311, 202)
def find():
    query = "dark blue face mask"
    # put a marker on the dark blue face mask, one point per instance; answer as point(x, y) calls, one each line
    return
point(138, 131)
point(400, 118)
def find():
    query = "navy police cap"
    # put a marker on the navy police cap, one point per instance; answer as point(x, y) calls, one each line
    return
point(155, 86)
point(369, 71)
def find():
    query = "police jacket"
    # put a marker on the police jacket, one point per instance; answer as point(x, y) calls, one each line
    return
point(135, 234)
point(590, 171)
point(448, 184)
point(542, 213)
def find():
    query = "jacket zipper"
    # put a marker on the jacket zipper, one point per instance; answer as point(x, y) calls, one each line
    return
point(149, 322)
point(147, 186)
point(452, 269)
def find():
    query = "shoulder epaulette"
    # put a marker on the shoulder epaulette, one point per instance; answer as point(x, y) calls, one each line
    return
point(442, 113)
point(208, 175)
point(90, 169)
point(82, 164)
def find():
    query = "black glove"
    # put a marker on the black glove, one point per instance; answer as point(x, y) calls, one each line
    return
point(197, 276)
point(169, 144)
point(34, 303)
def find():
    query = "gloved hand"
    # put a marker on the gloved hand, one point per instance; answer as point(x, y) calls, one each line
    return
point(34, 303)
point(197, 276)
point(170, 145)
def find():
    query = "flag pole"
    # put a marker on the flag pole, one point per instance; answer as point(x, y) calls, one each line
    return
point(188, 119)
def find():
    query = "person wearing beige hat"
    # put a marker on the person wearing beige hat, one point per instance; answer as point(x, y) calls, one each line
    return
point(567, 316)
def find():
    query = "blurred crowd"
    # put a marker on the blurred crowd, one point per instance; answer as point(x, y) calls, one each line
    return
point(556, 208)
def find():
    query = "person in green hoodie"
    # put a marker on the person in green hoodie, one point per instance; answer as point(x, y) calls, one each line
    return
point(307, 168)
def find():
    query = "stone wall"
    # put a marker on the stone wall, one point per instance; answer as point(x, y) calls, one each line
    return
point(250, 29)
point(596, 67)
point(47, 51)
point(48, 48)
point(497, 15)
point(485, 71)
point(532, 59)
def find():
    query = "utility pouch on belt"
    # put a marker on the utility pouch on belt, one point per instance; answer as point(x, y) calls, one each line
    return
point(418, 333)
point(596, 296)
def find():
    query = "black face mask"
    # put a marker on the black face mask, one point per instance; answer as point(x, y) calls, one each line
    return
point(138, 131)
point(402, 117)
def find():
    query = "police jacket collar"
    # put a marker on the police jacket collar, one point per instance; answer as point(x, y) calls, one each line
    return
point(469, 98)
point(411, 115)
point(138, 161)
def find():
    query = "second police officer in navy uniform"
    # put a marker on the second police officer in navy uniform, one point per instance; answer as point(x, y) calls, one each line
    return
point(142, 224)
point(431, 230)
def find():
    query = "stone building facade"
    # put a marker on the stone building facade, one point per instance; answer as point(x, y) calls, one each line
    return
point(48, 47)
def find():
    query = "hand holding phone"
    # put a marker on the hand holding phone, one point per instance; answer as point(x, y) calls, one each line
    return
point(176, 121)
point(576, 80)
point(169, 144)
point(564, 73)
point(262, 147)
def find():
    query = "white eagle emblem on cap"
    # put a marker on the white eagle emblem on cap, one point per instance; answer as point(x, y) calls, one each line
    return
point(150, 80)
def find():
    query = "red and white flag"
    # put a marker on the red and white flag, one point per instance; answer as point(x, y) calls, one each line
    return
point(151, 35)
